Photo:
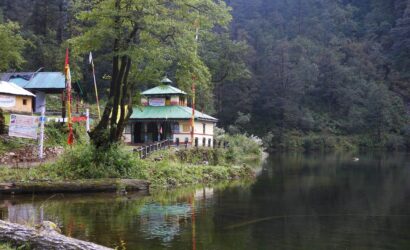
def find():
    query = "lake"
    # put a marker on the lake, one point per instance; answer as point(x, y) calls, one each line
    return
point(297, 201)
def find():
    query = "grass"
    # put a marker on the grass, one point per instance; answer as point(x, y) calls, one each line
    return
point(55, 135)
point(6, 246)
point(177, 167)
point(9, 246)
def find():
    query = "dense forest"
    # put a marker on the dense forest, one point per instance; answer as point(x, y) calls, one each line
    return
point(300, 74)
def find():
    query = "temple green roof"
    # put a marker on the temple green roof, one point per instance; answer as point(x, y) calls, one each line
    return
point(163, 90)
point(168, 112)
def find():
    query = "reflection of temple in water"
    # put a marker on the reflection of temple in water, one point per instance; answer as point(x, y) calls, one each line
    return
point(165, 222)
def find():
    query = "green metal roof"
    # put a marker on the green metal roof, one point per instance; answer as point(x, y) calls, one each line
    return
point(168, 112)
point(21, 82)
point(163, 90)
point(47, 80)
point(36, 80)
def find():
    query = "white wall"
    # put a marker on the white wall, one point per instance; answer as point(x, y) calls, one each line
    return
point(208, 135)
point(209, 132)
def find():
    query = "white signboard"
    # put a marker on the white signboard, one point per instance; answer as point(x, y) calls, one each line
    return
point(23, 126)
point(156, 102)
point(7, 101)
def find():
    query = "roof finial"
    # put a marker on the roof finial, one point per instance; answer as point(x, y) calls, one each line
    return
point(166, 80)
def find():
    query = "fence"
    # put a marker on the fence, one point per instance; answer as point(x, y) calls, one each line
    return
point(146, 150)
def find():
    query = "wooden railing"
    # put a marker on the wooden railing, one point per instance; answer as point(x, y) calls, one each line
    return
point(146, 150)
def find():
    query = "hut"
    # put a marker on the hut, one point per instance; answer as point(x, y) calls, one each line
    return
point(39, 83)
point(15, 99)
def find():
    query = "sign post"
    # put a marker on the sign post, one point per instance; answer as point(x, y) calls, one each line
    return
point(41, 138)
point(87, 122)
point(23, 126)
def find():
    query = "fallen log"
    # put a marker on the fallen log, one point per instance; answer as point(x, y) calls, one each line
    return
point(77, 186)
point(42, 239)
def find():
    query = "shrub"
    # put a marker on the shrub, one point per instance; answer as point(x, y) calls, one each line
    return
point(56, 134)
point(241, 147)
point(86, 162)
point(2, 123)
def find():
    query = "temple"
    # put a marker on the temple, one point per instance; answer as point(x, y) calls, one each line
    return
point(164, 115)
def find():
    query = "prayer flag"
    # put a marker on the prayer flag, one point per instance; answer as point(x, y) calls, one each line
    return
point(67, 72)
point(90, 58)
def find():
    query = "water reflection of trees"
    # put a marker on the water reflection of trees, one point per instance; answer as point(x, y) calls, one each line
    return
point(298, 202)
point(330, 201)
point(142, 222)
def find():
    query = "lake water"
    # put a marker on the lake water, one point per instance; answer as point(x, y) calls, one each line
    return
point(297, 202)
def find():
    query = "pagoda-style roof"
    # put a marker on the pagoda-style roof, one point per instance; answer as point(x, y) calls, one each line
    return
point(168, 113)
point(164, 89)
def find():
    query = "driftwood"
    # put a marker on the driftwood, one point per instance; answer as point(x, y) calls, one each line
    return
point(42, 239)
point(100, 185)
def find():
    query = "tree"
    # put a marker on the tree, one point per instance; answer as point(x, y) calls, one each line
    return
point(145, 37)
point(401, 46)
point(12, 45)
point(2, 123)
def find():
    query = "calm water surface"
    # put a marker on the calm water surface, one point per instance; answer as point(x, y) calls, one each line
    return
point(297, 202)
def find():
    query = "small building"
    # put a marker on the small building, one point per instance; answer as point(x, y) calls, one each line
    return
point(164, 115)
point(39, 83)
point(15, 99)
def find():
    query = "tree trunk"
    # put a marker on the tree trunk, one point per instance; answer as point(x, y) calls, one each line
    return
point(119, 106)
point(46, 239)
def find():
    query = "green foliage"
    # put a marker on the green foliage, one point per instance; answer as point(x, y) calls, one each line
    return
point(8, 144)
point(2, 123)
point(56, 134)
point(163, 35)
point(241, 147)
point(12, 45)
point(87, 162)
point(241, 123)
point(6, 246)
point(333, 69)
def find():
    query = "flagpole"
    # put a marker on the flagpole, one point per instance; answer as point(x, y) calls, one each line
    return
point(68, 87)
point(193, 114)
point(196, 25)
point(95, 86)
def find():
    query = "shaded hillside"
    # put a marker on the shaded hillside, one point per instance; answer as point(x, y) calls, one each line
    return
point(324, 67)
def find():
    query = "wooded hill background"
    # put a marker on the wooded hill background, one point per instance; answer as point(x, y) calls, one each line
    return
point(299, 73)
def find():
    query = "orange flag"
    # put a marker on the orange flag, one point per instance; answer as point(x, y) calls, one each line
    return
point(67, 72)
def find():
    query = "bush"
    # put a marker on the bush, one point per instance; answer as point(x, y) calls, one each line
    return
point(2, 123)
point(56, 134)
point(241, 147)
point(86, 162)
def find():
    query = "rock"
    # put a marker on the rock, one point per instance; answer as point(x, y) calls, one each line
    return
point(49, 227)
point(48, 238)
